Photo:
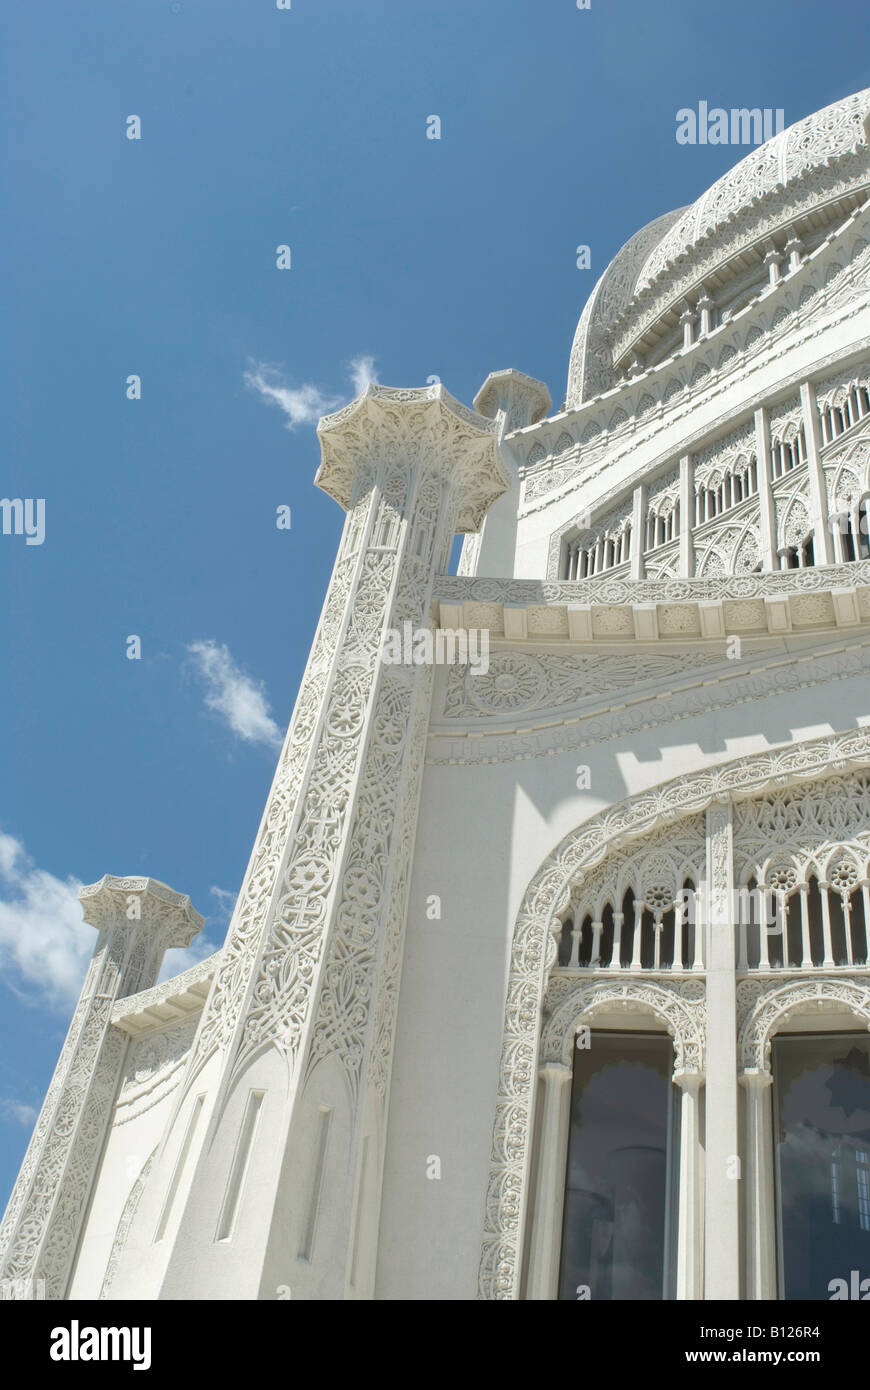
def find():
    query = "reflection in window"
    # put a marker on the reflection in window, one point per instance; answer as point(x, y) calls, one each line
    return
point(620, 1196)
point(822, 1099)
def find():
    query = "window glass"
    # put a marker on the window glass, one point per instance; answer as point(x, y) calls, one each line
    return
point(620, 1198)
point(822, 1137)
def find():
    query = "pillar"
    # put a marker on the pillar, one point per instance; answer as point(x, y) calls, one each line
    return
point(301, 1016)
point(687, 319)
point(515, 401)
point(794, 251)
point(687, 516)
point(760, 1213)
point(772, 259)
point(690, 1221)
point(638, 531)
point(823, 548)
point(138, 919)
point(705, 308)
point(545, 1245)
point(722, 1180)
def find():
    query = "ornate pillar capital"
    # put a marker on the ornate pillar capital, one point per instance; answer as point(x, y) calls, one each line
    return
point(118, 902)
point(754, 1078)
point(554, 1072)
point(523, 399)
point(389, 426)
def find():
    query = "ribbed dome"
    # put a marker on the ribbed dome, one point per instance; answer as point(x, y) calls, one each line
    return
point(816, 161)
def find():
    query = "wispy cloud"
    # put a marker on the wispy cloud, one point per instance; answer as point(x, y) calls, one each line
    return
point(304, 405)
point(17, 1111)
point(236, 697)
point(45, 946)
point(226, 900)
point(362, 373)
point(181, 958)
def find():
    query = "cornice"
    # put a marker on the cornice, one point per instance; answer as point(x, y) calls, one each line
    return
point(650, 610)
point(454, 589)
point(178, 998)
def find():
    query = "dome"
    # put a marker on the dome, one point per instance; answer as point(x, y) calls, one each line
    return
point(804, 178)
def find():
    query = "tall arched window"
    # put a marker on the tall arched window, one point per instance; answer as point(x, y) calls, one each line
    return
point(822, 1164)
point(619, 1223)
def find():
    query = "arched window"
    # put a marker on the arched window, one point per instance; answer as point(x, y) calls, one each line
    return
point(658, 933)
point(619, 1225)
point(794, 925)
point(854, 528)
point(584, 556)
point(822, 1164)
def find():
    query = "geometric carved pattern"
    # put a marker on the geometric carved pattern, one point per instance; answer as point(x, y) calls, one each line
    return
point(595, 726)
point(762, 1005)
point(606, 590)
point(681, 1007)
point(813, 829)
point(517, 681)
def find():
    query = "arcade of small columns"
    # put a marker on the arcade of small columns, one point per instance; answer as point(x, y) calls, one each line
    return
point(726, 1222)
point(830, 541)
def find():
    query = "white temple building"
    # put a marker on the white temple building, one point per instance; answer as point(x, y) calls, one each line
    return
point(549, 974)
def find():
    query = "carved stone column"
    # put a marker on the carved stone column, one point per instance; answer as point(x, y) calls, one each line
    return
point(687, 516)
point(138, 919)
point(638, 531)
point(515, 401)
point(766, 504)
point(760, 1213)
point(300, 1020)
point(823, 544)
point(690, 1219)
point(554, 1099)
point(722, 1179)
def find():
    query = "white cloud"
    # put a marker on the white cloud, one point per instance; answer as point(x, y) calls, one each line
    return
point(234, 695)
point(362, 373)
point(18, 1112)
point(226, 900)
point(181, 958)
point(45, 946)
point(304, 405)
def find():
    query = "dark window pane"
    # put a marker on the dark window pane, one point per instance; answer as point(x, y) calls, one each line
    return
point(620, 1188)
point(822, 1100)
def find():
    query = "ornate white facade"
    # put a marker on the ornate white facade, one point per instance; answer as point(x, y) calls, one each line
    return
point(367, 1093)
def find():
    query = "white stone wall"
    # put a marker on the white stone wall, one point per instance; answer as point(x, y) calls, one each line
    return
point(453, 985)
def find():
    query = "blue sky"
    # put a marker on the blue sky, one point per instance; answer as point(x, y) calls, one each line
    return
point(156, 257)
